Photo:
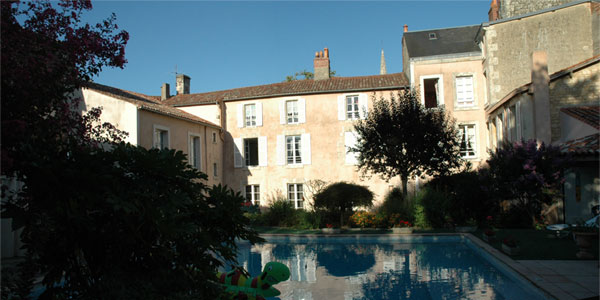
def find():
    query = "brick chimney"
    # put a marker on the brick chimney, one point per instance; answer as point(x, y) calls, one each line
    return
point(494, 12)
point(322, 64)
point(541, 96)
point(405, 28)
point(183, 84)
point(165, 92)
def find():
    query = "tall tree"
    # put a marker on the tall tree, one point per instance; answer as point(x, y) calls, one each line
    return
point(400, 137)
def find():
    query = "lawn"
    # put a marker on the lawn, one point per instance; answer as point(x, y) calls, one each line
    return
point(534, 244)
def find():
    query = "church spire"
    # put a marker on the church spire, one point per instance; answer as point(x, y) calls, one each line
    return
point(382, 70)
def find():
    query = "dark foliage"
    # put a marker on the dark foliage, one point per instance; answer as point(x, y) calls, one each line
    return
point(340, 198)
point(402, 138)
point(527, 174)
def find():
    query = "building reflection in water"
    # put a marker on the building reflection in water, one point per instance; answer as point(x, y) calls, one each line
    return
point(382, 271)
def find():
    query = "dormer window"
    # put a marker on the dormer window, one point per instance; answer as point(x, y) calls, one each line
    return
point(432, 36)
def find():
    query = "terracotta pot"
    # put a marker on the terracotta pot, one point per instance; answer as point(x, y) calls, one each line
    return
point(330, 230)
point(402, 230)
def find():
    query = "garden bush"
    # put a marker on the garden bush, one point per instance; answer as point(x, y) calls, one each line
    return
point(366, 219)
point(394, 203)
point(339, 198)
point(308, 219)
point(281, 212)
point(435, 205)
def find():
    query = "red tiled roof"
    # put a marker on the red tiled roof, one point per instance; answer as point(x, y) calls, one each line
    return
point(582, 146)
point(587, 114)
point(149, 103)
point(297, 87)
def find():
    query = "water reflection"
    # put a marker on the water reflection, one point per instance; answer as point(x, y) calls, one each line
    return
point(382, 271)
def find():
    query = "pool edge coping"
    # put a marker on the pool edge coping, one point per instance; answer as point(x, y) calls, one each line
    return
point(521, 270)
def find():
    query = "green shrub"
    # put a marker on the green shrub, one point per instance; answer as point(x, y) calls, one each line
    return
point(338, 199)
point(419, 213)
point(394, 203)
point(281, 213)
point(435, 207)
point(307, 219)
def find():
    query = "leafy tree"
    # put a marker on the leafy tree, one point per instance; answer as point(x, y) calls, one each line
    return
point(402, 138)
point(528, 173)
point(305, 74)
point(127, 223)
point(340, 198)
point(100, 220)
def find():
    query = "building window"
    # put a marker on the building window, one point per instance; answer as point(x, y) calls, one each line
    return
point(432, 36)
point(352, 110)
point(194, 154)
point(464, 91)
point(253, 194)
point(468, 140)
point(499, 129)
point(295, 195)
point(512, 123)
point(215, 174)
point(431, 92)
point(293, 149)
point(251, 151)
point(214, 137)
point(161, 137)
point(250, 115)
point(291, 111)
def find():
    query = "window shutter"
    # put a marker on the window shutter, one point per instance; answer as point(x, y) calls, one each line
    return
point(473, 140)
point(281, 111)
point(240, 115)
point(280, 150)
point(518, 121)
point(363, 106)
point(262, 151)
point(259, 115)
point(156, 139)
point(301, 110)
point(341, 108)
point(305, 149)
point(238, 159)
point(350, 141)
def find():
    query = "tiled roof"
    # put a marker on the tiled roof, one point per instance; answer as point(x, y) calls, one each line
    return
point(582, 146)
point(587, 114)
point(149, 103)
point(297, 87)
point(447, 41)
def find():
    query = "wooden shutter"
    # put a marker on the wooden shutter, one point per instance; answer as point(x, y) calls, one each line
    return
point(282, 116)
point(305, 142)
point(363, 107)
point(262, 151)
point(280, 150)
point(350, 141)
point(240, 115)
point(341, 108)
point(238, 158)
point(259, 115)
point(301, 110)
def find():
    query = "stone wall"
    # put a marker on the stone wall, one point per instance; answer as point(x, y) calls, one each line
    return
point(565, 35)
point(583, 87)
point(511, 8)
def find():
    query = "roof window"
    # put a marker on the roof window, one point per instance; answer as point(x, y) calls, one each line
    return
point(432, 36)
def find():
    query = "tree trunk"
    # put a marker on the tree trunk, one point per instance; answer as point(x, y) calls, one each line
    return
point(404, 179)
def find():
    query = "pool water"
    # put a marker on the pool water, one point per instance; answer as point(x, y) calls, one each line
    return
point(385, 268)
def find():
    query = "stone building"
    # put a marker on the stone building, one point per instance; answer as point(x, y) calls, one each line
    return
point(445, 67)
point(281, 138)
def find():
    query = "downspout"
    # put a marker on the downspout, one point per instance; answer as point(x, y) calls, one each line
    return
point(205, 152)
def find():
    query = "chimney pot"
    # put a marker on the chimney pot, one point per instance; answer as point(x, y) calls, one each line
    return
point(183, 84)
point(405, 28)
point(165, 93)
point(494, 12)
point(321, 64)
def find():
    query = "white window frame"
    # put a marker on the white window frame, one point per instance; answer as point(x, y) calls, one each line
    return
point(464, 103)
point(296, 149)
point(254, 193)
point(297, 197)
point(499, 129)
point(249, 120)
point(247, 151)
point(440, 94)
point(192, 159)
point(160, 128)
point(475, 139)
point(292, 117)
point(350, 140)
point(242, 120)
point(363, 106)
point(354, 112)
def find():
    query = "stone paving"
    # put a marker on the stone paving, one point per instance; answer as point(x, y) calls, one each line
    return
point(564, 279)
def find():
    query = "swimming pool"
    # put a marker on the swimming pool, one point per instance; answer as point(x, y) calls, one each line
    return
point(386, 267)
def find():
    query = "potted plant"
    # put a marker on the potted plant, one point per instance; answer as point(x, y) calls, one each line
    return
point(399, 225)
point(510, 246)
point(329, 229)
point(489, 235)
point(583, 235)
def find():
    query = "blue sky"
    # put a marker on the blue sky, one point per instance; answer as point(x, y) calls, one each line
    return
point(224, 45)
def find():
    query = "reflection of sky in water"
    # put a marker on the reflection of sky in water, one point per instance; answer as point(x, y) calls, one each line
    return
point(376, 270)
